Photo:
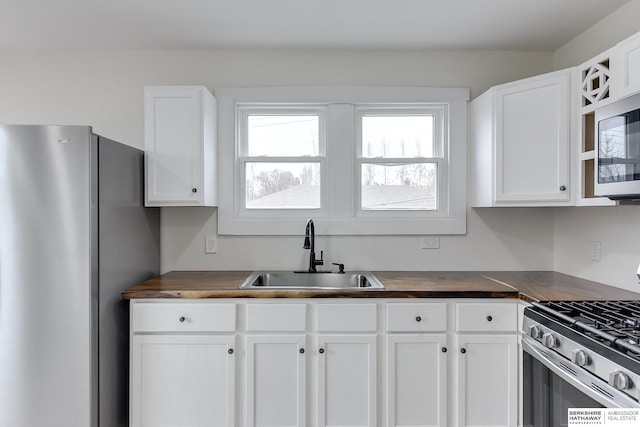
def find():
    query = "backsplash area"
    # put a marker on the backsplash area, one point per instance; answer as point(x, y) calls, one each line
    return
point(497, 239)
point(616, 228)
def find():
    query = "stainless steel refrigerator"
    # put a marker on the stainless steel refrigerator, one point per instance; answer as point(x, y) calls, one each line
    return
point(73, 234)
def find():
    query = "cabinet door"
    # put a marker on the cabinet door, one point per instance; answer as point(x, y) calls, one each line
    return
point(416, 369)
point(627, 67)
point(487, 380)
point(182, 380)
point(532, 140)
point(276, 378)
point(174, 146)
point(346, 373)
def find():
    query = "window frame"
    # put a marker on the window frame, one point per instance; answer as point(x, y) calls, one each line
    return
point(439, 111)
point(243, 111)
point(340, 183)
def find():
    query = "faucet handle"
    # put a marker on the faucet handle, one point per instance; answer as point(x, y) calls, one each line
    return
point(340, 267)
point(321, 260)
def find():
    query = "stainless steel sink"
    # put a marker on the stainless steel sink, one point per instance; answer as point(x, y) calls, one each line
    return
point(294, 280)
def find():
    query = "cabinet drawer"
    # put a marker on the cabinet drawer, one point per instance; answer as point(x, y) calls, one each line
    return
point(276, 317)
point(486, 317)
point(183, 317)
point(347, 318)
point(416, 317)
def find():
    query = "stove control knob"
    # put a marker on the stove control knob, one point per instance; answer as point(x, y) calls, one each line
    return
point(619, 380)
point(535, 332)
point(550, 340)
point(580, 358)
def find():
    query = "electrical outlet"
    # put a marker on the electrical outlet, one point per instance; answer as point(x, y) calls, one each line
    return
point(430, 242)
point(595, 251)
point(211, 244)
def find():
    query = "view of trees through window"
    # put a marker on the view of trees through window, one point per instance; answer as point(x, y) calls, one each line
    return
point(282, 185)
point(398, 184)
point(289, 183)
point(391, 187)
point(397, 170)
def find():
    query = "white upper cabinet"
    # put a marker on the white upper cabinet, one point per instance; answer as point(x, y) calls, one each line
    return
point(520, 141)
point(626, 67)
point(180, 146)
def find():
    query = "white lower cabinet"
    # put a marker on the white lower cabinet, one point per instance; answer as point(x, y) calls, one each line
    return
point(416, 364)
point(276, 380)
point(416, 373)
point(487, 380)
point(323, 363)
point(346, 375)
point(487, 364)
point(346, 369)
point(184, 380)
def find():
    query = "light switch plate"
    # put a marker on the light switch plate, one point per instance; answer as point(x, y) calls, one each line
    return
point(430, 242)
point(595, 251)
point(211, 244)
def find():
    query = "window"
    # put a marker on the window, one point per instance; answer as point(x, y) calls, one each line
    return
point(281, 156)
point(400, 153)
point(358, 160)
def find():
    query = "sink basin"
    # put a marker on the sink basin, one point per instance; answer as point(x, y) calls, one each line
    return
point(303, 280)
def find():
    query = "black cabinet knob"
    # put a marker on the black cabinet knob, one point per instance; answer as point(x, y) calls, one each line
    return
point(194, 190)
point(489, 318)
point(321, 351)
point(418, 319)
point(301, 351)
point(563, 188)
point(230, 351)
point(463, 350)
point(182, 319)
point(444, 349)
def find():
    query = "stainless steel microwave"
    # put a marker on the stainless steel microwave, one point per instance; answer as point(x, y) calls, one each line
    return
point(618, 149)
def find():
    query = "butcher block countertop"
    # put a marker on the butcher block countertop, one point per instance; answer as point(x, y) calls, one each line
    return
point(525, 285)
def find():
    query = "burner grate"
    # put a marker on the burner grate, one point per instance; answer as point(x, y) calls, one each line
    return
point(612, 323)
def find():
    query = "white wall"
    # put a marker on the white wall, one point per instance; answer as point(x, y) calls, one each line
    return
point(606, 33)
point(616, 228)
point(104, 89)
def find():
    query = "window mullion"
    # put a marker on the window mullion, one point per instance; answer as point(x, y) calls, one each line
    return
point(340, 151)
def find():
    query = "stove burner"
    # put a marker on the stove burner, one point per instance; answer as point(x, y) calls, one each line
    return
point(615, 324)
point(633, 323)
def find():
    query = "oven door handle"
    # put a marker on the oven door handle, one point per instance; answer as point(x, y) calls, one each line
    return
point(582, 381)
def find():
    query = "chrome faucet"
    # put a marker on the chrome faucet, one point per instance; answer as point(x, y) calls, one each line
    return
point(310, 243)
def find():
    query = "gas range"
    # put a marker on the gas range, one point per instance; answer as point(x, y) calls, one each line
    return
point(596, 344)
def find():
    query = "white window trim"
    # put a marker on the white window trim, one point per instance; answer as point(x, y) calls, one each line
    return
point(242, 111)
point(340, 216)
point(441, 150)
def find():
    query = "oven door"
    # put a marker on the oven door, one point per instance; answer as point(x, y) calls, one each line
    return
point(552, 384)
